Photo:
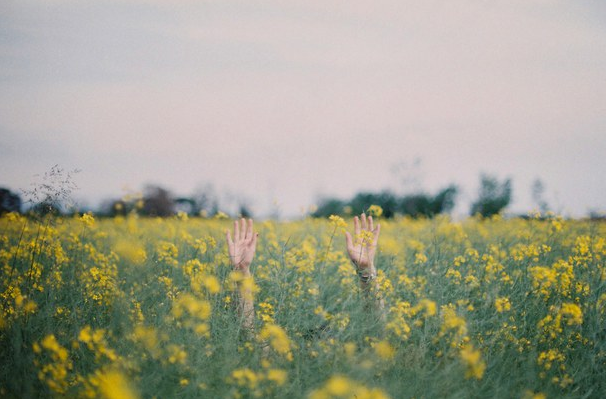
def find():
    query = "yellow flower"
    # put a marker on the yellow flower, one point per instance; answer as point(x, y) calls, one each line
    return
point(452, 321)
point(88, 219)
point(339, 386)
point(131, 251)
point(364, 237)
point(384, 350)
point(375, 210)
point(85, 335)
point(221, 216)
point(502, 304)
point(277, 376)
point(212, 285)
point(177, 354)
point(245, 377)
point(572, 313)
point(277, 339)
point(472, 358)
point(337, 221)
point(198, 309)
point(114, 385)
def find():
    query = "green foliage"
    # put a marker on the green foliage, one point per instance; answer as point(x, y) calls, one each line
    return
point(429, 206)
point(415, 205)
point(9, 201)
point(386, 200)
point(157, 201)
point(330, 206)
point(493, 196)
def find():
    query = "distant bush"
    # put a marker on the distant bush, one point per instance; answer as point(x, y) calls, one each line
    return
point(416, 205)
point(493, 196)
point(9, 201)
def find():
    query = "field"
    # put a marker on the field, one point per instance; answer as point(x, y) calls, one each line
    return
point(141, 307)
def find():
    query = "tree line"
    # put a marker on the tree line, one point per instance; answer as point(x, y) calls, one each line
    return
point(493, 197)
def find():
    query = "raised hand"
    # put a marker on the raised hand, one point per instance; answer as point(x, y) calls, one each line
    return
point(242, 248)
point(361, 249)
point(363, 246)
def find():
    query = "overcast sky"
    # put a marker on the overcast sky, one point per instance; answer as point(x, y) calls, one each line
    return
point(286, 101)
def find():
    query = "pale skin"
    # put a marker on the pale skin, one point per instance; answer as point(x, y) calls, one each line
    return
point(361, 249)
point(241, 253)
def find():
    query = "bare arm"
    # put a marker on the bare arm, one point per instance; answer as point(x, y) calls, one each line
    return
point(241, 253)
point(361, 250)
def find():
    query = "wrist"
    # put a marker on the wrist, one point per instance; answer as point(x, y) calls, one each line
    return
point(367, 269)
point(244, 271)
point(367, 274)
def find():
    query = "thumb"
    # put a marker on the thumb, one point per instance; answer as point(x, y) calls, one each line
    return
point(348, 241)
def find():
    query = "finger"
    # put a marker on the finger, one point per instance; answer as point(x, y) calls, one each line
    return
point(370, 225)
point(376, 235)
point(236, 230)
point(249, 230)
point(242, 229)
point(230, 243)
point(364, 224)
point(349, 242)
point(356, 226)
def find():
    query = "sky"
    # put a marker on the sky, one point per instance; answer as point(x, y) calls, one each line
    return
point(281, 103)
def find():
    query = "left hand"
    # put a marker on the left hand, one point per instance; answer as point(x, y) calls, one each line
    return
point(242, 247)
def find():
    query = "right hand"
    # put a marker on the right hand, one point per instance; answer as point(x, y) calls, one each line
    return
point(362, 247)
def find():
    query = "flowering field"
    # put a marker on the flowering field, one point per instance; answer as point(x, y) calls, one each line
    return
point(130, 307)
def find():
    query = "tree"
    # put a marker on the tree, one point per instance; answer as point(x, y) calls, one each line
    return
point(444, 201)
point(538, 192)
point(386, 200)
point(9, 202)
point(329, 206)
point(206, 200)
point(493, 196)
point(244, 211)
point(157, 201)
point(418, 205)
point(186, 205)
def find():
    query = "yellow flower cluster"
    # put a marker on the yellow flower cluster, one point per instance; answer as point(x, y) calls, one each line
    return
point(95, 341)
point(112, 384)
point(193, 313)
point(339, 386)
point(261, 383)
point(502, 304)
point(277, 339)
point(472, 359)
point(54, 373)
point(375, 210)
point(337, 221)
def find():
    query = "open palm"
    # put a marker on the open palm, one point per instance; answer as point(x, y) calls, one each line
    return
point(362, 247)
point(242, 248)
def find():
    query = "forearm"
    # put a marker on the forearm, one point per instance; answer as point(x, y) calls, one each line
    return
point(245, 302)
point(371, 291)
point(241, 251)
